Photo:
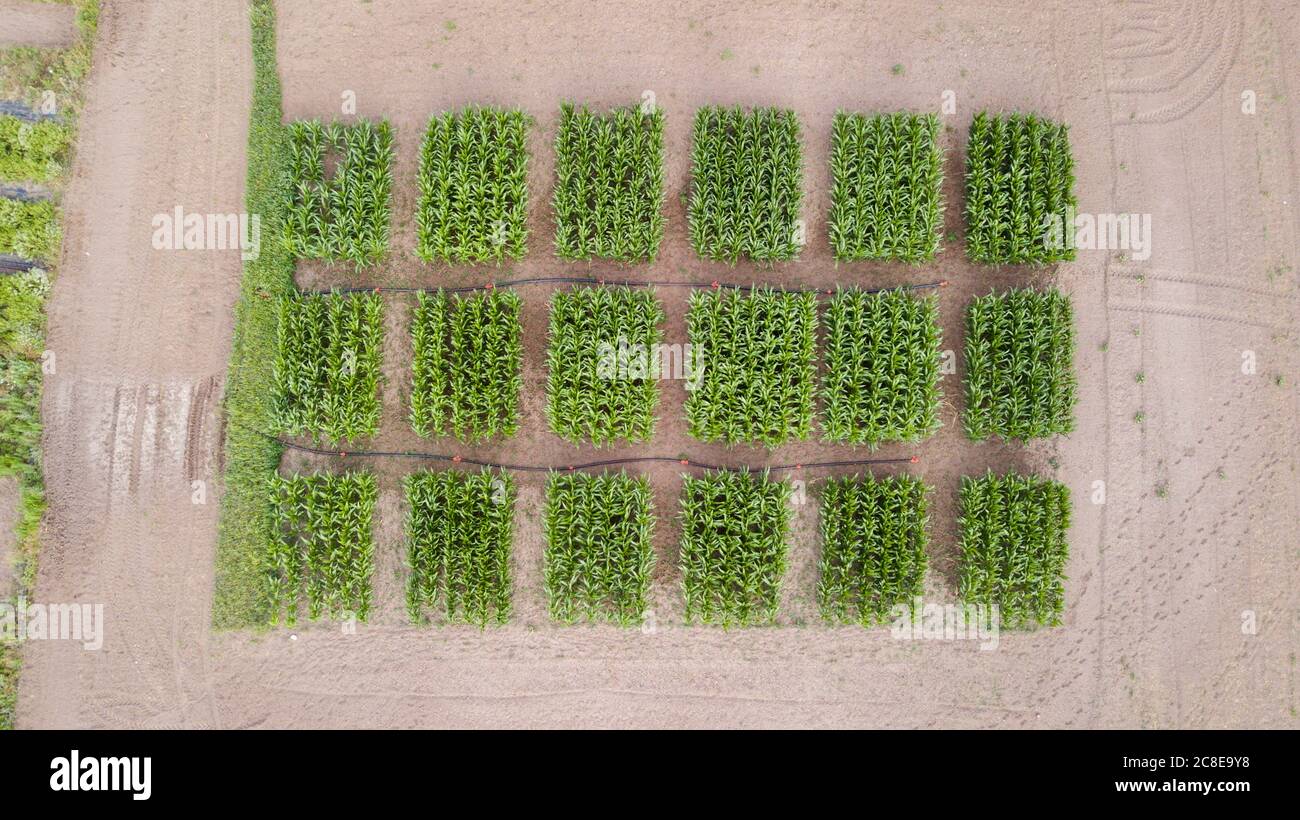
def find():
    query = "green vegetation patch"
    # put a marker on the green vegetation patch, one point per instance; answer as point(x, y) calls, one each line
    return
point(32, 151)
point(322, 546)
point(603, 347)
point(1014, 547)
point(30, 230)
point(734, 528)
point(467, 365)
point(474, 186)
point(882, 367)
point(251, 457)
point(873, 548)
point(609, 184)
point(887, 170)
point(458, 530)
point(598, 547)
point(746, 184)
point(759, 375)
point(328, 359)
point(1020, 381)
point(341, 180)
point(1019, 177)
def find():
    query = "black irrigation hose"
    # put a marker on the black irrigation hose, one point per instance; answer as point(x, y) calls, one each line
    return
point(586, 465)
point(15, 264)
point(627, 283)
point(22, 111)
point(23, 194)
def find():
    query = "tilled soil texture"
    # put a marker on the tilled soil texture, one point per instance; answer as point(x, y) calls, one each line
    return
point(1181, 591)
point(40, 25)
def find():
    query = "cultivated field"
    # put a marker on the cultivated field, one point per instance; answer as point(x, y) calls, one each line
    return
point(1166, 468)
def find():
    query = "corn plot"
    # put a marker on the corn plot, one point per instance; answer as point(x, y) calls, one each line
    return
point(345, 215)
point(882, 367)
point(32, 151)
point(600, 384)
point(1020, 381)
point(29, 230)
point(885, 197)
point(321, 544)
point(1019, 174)
point(759, 376)
point(609, 184)
point(746, 184)
point(474, 186)
point(733, 547)
point(458, 529)
point(328, 352)
point(468, 362)
point(598, 547)
point(1014, 548)
point(873, 548)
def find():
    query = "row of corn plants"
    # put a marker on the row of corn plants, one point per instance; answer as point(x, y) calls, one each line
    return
point(887, 173)
point(1020, 380)
point(341, 179)
point(458, 530)
point(874, 535)
point(468, 358)
point(1019, 177)
point(599, 553)
point(329, 349)
point(746, 184)
point(30, 230)
point(474, 186)
point(1014, 547)
point(746, 187)
point(759, 375)
point(322, 546)
point(750, 366)
point(602, 347)
point(609, 190)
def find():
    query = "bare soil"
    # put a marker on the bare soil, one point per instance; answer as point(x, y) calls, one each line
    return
point(43, 25)
point(10, 501)
point(1182, 587)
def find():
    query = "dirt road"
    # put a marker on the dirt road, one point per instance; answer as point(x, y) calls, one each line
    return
point(1182, 590)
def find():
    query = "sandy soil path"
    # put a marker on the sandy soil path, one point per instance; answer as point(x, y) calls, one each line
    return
point(1182, 596)
point(45, 25)
point(142, 338)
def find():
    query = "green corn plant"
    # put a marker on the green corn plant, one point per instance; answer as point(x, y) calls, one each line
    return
point(733, 547)
point(881, 381)
point(746, 184)
point(32, 151)
point(874, 535)
point(347, 216)
point(759, 374)
point(886, 200)
point(329, 351)
point(458, 530)
point(321, 545)
point(1020, 381)
point(590, 396)
point(599, 552)
point(609, 184)
point(1014, 547)
point(468, 361)
point(22, 344)
point(29, 230)
point(474, 186)
point(1019, 174)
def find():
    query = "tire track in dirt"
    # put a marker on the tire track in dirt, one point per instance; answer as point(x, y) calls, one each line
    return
point(131, 416)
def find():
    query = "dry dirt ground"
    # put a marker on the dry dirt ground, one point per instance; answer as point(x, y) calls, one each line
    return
point(1181, 598)
point(45, 25)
